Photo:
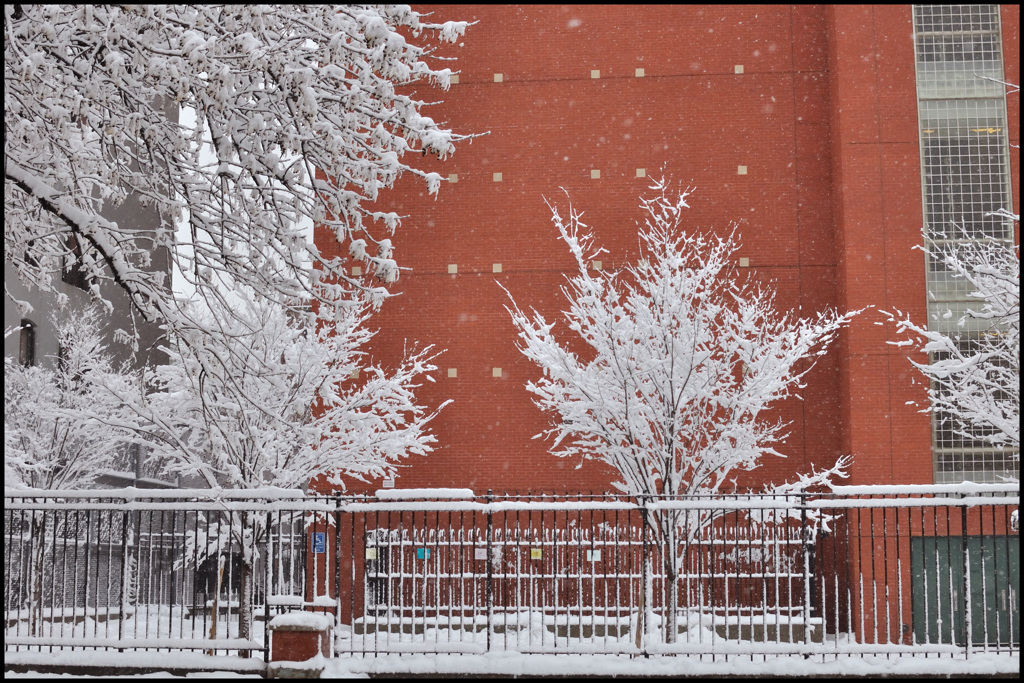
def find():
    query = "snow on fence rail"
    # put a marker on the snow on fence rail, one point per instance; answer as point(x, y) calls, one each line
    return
point(917, 571)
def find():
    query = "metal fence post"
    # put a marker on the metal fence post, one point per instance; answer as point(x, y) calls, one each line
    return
point(337, 571)
point(968, 626)
point(268, 563)
point(806, 534)
point(642, 624)
point(490, 570)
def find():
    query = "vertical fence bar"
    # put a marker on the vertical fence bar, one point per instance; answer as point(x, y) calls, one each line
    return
point(268, 568)
point(805, 539)
point(490, 572)
point(983, 579)
point(999, 609)
point(842, 602)
point(646, 610)
point(925, 574)
point(768, 543)
point(968, 625)
point(952, 582)
point(356, 552)
point(899, 579)
point(537, 575)
point(885, 569)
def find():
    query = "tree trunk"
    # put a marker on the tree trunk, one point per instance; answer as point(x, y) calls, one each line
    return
point(248, 541)
point(641, 622)
point(245, 601)
point(216, 600)
point(671, 588)
point(671, 601)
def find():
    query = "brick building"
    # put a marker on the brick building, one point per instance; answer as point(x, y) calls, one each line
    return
point(812, 128)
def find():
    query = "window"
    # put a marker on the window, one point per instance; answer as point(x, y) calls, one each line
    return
point(965, 176)
point(29, 258)
point(27, 346)
point(954, 43)
point(73, 273)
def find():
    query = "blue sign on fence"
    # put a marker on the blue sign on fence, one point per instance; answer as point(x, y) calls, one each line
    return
point(319, 542)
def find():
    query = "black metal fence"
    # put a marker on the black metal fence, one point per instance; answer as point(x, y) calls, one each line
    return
point(903, 571)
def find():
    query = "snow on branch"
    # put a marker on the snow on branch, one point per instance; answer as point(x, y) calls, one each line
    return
point(302, 114)
point(682, 359)
point(305, 414)
point(974, 368)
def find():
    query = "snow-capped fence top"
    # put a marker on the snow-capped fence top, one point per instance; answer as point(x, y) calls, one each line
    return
point(955, 495)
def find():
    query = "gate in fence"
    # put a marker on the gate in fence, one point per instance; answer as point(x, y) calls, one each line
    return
point(907, 572)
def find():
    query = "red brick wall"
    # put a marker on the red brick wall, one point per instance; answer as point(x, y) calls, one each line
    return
point(878, 219)
point(824, 119)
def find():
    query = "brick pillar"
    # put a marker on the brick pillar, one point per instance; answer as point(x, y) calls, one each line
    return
point(299, 644)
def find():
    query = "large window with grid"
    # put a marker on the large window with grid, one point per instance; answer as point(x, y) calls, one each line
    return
point(965, 177)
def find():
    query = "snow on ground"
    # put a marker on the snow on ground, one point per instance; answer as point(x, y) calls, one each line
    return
point(512, 663)
point(199, 663)
point(155, 674)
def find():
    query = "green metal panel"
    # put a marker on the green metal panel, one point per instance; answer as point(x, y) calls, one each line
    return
point(938, 589)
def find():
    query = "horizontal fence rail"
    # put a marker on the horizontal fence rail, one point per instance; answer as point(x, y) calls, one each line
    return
point(907, 571)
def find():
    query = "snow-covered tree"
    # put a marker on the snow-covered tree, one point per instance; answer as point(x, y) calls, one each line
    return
point(317, 407)
point(667, 370)
point(60, 428)
point(303, 113)
point(974, 373)
point(301, 103)
point(58, 431)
